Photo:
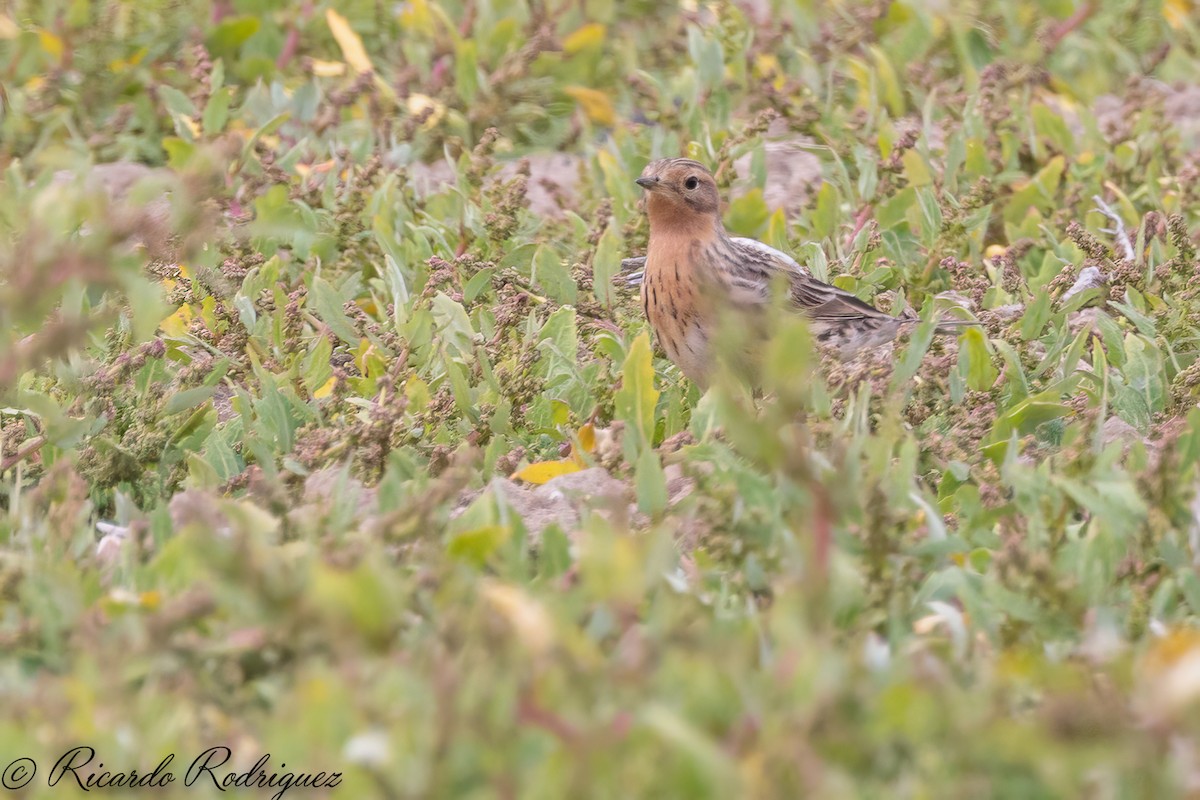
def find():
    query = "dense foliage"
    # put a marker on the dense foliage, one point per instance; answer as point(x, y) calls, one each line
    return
point(329, 430)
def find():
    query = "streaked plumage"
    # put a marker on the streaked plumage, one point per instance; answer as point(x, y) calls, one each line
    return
point(694, 270)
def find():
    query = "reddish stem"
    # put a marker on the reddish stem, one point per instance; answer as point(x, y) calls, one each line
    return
point(1059, 32)
point(860, 220)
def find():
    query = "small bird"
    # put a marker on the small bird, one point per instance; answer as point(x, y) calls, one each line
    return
point(694, 271)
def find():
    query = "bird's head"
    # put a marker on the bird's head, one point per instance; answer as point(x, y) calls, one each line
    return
point(680, 191)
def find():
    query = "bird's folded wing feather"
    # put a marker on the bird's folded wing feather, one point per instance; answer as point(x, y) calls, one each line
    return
point(818, 300)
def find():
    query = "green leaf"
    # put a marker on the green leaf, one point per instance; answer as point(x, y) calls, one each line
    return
point(605, 265)
point(228, 36)
point(176, 101)
point(460, 387)
point(1025, 416)
point(651, 483)
point(637, 397)
point(478, 544)
point(454, 326)
point(889, 85)
point(1039, 193)
point(708, 56)
point(554, 555)
point(221, 458)
point(216, 113)
point(1143, 372)
point(777, 227)
point(179, 152)
point(316, 370)
point(552, 276)
point(1052, 126)
point(466, 70)
point(980, 373)
point(894, 210)
point(188, 398)
point(747, 214)
point(918, 345)
point(327, 305)
point(559, 342)
point(1037, 314)
point(824, 219)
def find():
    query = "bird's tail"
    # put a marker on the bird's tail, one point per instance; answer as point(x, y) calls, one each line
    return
point(954, 327)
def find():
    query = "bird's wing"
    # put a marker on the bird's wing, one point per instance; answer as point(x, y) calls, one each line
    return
point(761, 264)
point(633, 272)
point(767, 252)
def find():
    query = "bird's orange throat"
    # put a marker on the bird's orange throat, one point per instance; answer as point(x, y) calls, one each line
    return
point(669, 213)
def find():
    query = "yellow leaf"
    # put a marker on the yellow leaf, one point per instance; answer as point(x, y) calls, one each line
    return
point(525, 615)
point(416, 15)
point(8, 28)
point(1167, 676)
point(176, 324)
point(767, 67)
point(326, 389)
point(51, 44)
point(1177, 12)
point(587, 438)
point(208, 312)
point(352, 46)
point(419, 104)
point(360, 354)
point(915, 169)
point(191, 125)
point(122, 64)
point(543, 471)
point(1170, 649)
point(328, 69)
point(587, 37)
point(594, 103)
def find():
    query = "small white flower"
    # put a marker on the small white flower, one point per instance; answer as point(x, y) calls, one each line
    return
point(371, 748)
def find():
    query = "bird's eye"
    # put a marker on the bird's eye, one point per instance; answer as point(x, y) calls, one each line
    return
point(691, 183)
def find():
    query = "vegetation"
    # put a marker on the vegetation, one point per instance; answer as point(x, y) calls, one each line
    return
point(329, 430)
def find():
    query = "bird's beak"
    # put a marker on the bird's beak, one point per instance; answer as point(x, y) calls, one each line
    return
point(647, 183)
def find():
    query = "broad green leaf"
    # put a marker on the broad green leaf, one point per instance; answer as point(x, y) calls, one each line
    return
point(466, 70)
point(824, 218)
point(216, 113)
point(980, 373)
point(606, 264)
point(478, 544)
point(748, 214)
point(636, 399)
point(327, 304)
point(552, 276)
point(188, 398)
point(651, 483)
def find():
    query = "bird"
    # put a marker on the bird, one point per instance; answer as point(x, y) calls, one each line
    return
point(694, 271)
